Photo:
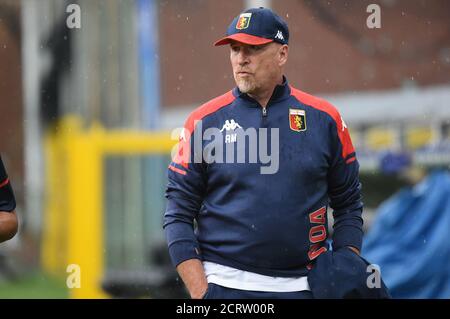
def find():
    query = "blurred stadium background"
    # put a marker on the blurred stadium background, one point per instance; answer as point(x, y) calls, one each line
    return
point(87, 115)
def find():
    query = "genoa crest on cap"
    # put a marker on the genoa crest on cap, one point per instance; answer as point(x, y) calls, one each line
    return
point(243, 21)
point(297, 120)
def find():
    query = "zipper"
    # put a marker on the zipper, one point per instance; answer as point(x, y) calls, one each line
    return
point(264, 116)
point(264, 111)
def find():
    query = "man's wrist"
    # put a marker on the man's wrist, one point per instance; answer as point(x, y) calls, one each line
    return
point(199, 293)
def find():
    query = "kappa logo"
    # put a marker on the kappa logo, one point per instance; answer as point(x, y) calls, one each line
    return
point(230, 125)
point(279, 35)
point(243, 21)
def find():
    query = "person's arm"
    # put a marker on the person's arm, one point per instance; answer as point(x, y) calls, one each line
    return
point(184, 193)
point(193, 275)
point(8, 217)
point(344, 189)
point(8, 225)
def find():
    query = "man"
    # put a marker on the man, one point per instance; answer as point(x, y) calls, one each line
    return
point(258, 234)
point(8, 218)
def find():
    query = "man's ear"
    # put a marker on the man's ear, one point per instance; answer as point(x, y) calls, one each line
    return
point(283, 53)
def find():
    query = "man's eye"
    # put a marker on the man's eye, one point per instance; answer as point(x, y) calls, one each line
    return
point(255, 47)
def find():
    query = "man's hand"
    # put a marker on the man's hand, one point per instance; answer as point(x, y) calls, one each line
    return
point(193, 275)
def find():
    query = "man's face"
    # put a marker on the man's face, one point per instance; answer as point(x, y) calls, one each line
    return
point(257, 68)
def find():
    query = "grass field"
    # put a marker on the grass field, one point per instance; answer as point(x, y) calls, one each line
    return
point(34, 286)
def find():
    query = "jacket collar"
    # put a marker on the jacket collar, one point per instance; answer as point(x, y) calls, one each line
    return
point(281, 92)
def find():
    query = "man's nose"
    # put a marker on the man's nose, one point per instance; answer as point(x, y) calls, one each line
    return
point(243, 57)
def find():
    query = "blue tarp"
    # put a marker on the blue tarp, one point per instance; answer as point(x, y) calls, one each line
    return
point(410, 239)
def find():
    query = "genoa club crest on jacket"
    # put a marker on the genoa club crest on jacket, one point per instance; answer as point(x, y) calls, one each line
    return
point(297, 120)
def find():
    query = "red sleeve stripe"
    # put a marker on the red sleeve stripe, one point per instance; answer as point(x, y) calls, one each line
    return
point(324, 106)
point(208, 108)
point(350, 160)
point(184, 146)
point(5, 182)
point(177, 170)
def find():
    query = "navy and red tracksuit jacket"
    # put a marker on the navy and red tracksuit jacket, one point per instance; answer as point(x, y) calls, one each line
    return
point(271, 224)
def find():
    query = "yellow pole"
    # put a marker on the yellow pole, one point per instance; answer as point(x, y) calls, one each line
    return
point(132, 142)
point(86, 248)
point(75, 200)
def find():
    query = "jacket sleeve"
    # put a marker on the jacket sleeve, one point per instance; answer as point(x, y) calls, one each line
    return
point(7, 199)
point(344, 188)
point(184, 193)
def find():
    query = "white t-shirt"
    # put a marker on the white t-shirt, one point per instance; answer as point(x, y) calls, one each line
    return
point(244, 280)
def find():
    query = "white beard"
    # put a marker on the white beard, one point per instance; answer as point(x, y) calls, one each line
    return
point(246, 86)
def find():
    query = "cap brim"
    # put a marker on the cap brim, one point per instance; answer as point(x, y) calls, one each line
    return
point(243, 38)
